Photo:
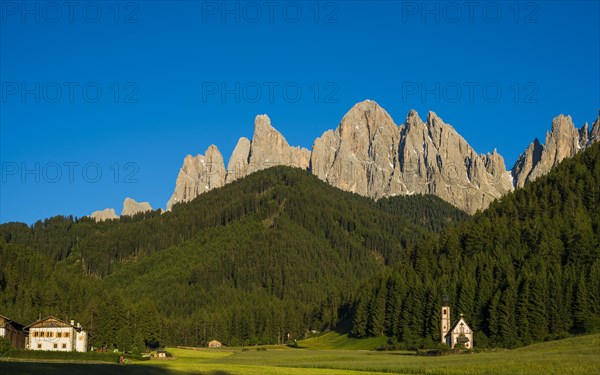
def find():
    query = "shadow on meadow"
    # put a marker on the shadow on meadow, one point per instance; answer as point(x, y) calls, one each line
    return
point(30, 368)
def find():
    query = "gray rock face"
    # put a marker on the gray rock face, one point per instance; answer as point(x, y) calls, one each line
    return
point(238, 163)
point(435, 159)
point(370, 155)
point(595, 133)
point(131, 207)
point(563, 141)
point(269, 148)
point(106, 214)
point(359, 156)
point(584, 136)
point(526, 162)
point(198, 175)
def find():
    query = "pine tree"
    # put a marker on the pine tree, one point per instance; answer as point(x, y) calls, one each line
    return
point(360, 321)
point(523, 313)
point(507, 321)
point(123, 339)
point(581, 309)
point(375, 326)
point(138, 345)
point(538, 307)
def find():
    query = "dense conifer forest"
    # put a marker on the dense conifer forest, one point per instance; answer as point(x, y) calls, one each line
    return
point(277, 254)
point(526, 269)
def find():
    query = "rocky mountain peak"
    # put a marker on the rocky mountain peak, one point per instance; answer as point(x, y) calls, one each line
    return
point(434, 159)
point(131, 207)
point(370, 155)
point(269, 148)
point(595, 133)
point(238, 163)
point(563, 140)
point(106, 214)
point(431, 117)
point(360, 154)
point(198, 174)
point(413, 119)
point(262, 125)
point(584, 135)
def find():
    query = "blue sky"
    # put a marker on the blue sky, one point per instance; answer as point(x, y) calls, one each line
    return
point(102, 100)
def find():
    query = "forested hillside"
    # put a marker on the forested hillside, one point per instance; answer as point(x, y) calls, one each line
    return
point(263, 259)
point(278, 253)
point(526, 269)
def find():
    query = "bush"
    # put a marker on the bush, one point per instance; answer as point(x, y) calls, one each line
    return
point(391, 344)
point(140, 357)
point(5, 346)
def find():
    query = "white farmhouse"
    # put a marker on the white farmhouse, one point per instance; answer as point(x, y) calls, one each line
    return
point(54, 334)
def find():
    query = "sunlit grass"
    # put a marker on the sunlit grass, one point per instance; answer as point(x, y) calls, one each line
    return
point(335, 340)
point(577, 355)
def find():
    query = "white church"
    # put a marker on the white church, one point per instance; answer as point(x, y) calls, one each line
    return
point(458, 332)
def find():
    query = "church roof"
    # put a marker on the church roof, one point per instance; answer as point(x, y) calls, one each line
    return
point(455, 324)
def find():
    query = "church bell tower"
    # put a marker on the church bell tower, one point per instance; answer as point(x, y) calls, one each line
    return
point(445, 323)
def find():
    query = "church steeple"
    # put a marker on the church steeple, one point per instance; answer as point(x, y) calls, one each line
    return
point(445, 320)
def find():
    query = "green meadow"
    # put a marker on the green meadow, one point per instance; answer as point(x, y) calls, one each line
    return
point(336, 354)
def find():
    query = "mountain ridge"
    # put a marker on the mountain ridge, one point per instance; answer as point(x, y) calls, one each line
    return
point(369, 154)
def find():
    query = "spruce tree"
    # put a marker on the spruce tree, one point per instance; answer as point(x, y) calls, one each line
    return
point(581, 309)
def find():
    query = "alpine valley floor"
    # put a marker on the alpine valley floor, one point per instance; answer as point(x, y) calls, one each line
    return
point(576, 355)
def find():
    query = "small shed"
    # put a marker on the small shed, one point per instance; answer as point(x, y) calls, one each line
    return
point(161, 353)
point(215, 344)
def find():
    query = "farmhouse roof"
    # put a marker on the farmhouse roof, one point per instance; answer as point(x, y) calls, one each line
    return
point(51, 322)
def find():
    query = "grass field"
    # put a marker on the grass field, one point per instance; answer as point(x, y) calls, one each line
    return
point(335, 340)
point(578, 355)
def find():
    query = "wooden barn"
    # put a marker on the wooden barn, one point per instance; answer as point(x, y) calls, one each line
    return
point(13, 331)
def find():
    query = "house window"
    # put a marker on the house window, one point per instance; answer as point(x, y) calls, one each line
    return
point(51, 334)
point(39, 346)
point(444, 312)
point(67, 334)
point(58, 334)
point(55, 346)
point(64, 346)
